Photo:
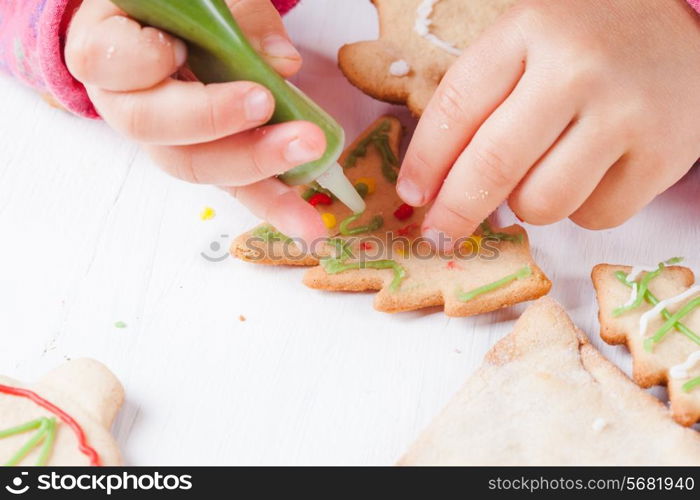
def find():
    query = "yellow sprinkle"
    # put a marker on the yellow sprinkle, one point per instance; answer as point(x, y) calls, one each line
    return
point(328, 220)
point(207, 214)
point(470, 244)
point(369, 182)
point(402, 250)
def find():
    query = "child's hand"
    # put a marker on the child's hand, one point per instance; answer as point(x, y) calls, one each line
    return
point(567, 108)
point(199, 133)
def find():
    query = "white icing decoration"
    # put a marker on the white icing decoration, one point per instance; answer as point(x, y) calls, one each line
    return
point(422, 27)
point(399, 68)
point(681, 371)
point(632, 277)
point(644, 320)
point(599, 424)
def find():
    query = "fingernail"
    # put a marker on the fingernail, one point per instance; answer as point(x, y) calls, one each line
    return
point(409, 192)
point(439, 240)
point(299, 151)
point(180, 52)
point(257, 105)
point(278, 46)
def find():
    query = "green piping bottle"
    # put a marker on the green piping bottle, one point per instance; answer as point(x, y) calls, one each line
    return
point(219, 52)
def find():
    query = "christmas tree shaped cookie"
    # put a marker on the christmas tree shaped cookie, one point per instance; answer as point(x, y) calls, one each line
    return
point(63, 419)
point(419, 40)
point(655, 311)
point(381, 249)
point(545, 396)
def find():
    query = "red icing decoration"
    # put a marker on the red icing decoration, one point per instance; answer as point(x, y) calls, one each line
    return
point(83, 445)
point(406, 231)
point(403, 212)
point(320, 199)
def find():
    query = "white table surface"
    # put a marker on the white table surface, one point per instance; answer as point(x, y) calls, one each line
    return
point(92, 233)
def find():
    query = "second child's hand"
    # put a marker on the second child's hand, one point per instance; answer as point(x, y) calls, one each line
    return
point(565, 108)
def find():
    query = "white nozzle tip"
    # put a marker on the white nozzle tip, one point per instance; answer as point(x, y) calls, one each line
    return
point(334, 180)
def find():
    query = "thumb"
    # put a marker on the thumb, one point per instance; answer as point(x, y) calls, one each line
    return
point(263, 26)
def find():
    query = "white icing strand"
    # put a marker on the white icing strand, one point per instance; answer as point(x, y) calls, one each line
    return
point(637, 270)
point(633, 295)
point(422, 27)
point(644, 320)
point(399, 68)
point(599, 424)
point(681, 371)
point(632, 276)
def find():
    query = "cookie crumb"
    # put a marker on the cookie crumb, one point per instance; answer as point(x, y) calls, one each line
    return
point(242, 318)
point(207, 214)
point(599, 424)
point(399, 68)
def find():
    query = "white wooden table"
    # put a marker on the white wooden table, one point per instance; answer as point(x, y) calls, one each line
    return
point(91, 233)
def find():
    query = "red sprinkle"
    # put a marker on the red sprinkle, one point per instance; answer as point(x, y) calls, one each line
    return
point(320, 199)
point(406, 231)
point(83, 445)
point(453, 265)
point(403, 212)
point(365, 245)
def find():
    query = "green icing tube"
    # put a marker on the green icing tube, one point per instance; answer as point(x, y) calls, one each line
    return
point(219, 52)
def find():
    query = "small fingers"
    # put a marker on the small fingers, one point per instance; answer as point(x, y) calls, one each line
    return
point(181, 113)
point(506, 146)
point(244, 158)
point(471, 90)
point(281, 206)
point(567, 175)
point(263, 27)
point(106, 49)
point(624, 190)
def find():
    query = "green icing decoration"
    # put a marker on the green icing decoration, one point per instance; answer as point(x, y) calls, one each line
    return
point(650, 342)
point(45, 434)
point(120, 324)
point(345, 229)
point(643, 286)
point(335, 266)
point(653, 300)
point(691, 384)
point(379, 138)
point(488, 233)
point(342, 248)
point(519, 274)
point(270, 234)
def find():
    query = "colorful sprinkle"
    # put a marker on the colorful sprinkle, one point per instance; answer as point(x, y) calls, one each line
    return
point(320, 199)
point(408, 230)
point(207, 214)
point(403, 212)
point(369, 182)
point(120, 324)
point(328, 220)
point(473, 244)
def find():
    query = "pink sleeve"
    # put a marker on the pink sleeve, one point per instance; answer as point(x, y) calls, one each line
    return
point(31, 49)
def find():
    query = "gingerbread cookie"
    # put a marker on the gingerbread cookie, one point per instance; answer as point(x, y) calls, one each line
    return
point(654, 311)
point(381, 250)
point(419, 40)
point(63, 419)
point(545, 396)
